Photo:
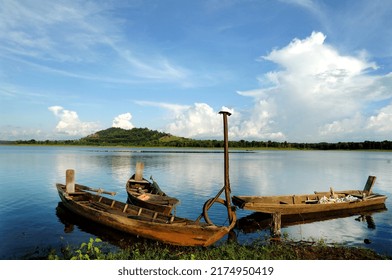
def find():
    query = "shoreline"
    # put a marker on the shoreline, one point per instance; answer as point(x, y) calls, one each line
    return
point(212, 149)
point(272, 249)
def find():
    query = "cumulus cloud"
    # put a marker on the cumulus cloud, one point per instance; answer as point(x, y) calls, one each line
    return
point(381, 123)
point(199, 120)
point(202, 121)
point(257, 124)
point(70, 124)
point(123, 121)
point(318, 94)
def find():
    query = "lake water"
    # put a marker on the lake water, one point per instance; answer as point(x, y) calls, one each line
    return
point(31, 218)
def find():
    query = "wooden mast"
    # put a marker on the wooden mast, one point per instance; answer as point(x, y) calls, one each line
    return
point(226, 164)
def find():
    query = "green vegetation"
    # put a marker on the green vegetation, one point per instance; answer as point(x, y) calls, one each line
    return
point(144, 137)
point(95, 249)
point(133, 137)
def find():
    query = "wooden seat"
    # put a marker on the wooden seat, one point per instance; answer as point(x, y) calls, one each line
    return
point(75, 193)
point(125, 208)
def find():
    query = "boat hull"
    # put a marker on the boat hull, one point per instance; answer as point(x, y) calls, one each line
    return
point(144, 222)
point(140, 193)
point(302, 204)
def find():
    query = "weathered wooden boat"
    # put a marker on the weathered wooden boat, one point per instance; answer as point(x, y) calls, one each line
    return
point(147, 223)
point(319, 202)
point(140, 221)
point(144, 193)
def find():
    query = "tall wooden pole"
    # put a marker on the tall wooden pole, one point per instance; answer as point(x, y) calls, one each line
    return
point(226, 164)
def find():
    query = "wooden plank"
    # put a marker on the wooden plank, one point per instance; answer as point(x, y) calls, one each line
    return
point(276, 224)
point(138, 181)
point(99, 191)
point(99, 206)
point(125, 207)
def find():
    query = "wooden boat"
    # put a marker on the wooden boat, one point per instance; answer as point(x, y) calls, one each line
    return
point(319, 202)
point(144, 193)
point(145, 222)
point(140, 221)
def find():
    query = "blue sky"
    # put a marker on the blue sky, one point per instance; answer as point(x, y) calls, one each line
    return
point(289, 70)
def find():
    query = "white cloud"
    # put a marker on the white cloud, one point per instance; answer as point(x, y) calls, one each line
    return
point(199, 121)
point(256, 125)
point(70, 124)
point(342, 127)
point(381, 123)
point(318, 57)
point(317, 93)
point(202, 121)
point(123, 121)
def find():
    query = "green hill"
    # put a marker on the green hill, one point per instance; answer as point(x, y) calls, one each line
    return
point(131, 137)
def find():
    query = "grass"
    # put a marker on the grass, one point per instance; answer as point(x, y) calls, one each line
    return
point(284, 249)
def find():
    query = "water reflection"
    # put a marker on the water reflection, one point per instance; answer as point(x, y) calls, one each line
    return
point(261, 221)
point(74, 222)
point(30, 173)
point(368, 219)
point(195, 177)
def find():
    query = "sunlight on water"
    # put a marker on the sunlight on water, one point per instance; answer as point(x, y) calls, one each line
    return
point(30, 216)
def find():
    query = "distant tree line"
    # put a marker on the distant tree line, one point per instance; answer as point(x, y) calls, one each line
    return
point(144, 137)
point(190, 143)
point(366, 145)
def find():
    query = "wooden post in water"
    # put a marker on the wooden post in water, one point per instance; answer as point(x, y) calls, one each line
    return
point(139, 171)
point(226, 164)
point(276, 224)
point(70, 181)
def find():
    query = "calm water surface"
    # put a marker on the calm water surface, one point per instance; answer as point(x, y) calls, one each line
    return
point(31, 218)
